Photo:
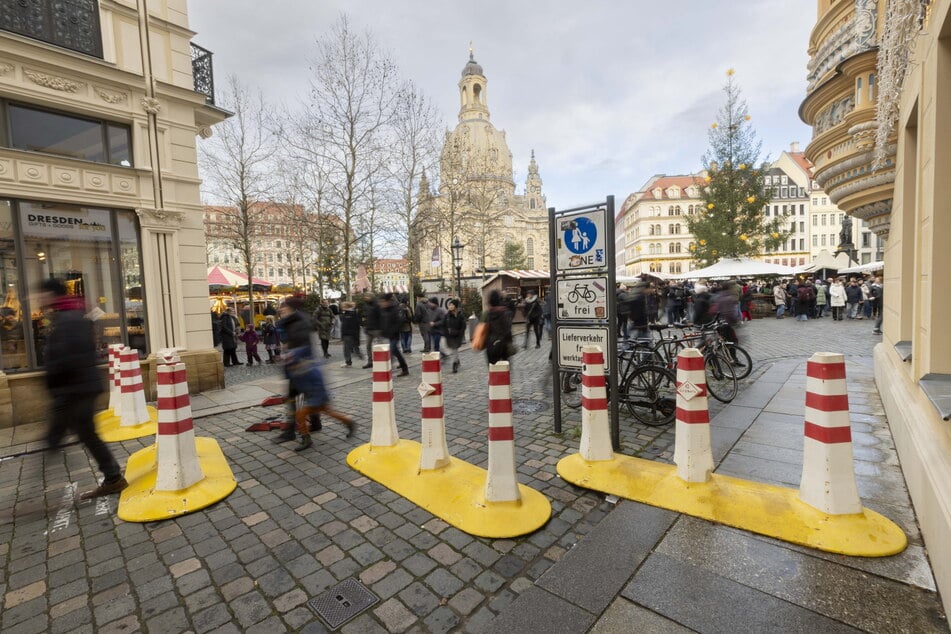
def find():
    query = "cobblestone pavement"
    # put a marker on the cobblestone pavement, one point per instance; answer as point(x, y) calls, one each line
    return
point(299, 523)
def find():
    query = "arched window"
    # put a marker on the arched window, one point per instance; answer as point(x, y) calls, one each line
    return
point(650, 230)
point(675, 229)
point(531, 203)
point(650, 248)
point(477, 93)
point(674, 247)
point(689, 210)
point(530, 246)
point(692, 246)
point(657, 230)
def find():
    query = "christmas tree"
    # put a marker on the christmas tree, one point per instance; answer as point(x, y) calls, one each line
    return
point(732, 222)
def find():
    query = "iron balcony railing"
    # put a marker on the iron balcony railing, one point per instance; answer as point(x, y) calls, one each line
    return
point(203, 73)
point(72, 24)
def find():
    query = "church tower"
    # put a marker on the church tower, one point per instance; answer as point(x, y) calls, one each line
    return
point(472, 94)
point(533, 186)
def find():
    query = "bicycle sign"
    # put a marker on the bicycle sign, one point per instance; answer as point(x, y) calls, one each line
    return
point(580, 241)
point(582, 298)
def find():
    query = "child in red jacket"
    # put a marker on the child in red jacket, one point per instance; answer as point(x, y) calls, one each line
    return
point(251, 339)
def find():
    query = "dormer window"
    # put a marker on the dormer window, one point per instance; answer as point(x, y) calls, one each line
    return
point(658, 193)
point(673, 192)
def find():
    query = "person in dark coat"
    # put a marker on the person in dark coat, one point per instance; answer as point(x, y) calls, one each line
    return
point(323, 323)
point(215, 329)
point(229, 339)
point(498, 345)
point(350, 333)
point(371, 325)
point(74, 382)
point(638, 310)
point(454, 328)
point(271, 339)
point(701, 305)
point(436, 314)
point(250, 338)
point(391, 322)
point(422, 317)
point(533, 318)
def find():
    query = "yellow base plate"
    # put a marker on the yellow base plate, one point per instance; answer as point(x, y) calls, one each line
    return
point(455, 493)
point(140, 502)
point(753, 506)
point(109, 426)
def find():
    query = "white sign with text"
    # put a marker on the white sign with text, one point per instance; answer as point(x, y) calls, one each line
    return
point(572, 340)
point(583, 298)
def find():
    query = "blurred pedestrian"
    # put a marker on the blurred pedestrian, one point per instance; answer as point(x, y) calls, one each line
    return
point(454, 328)
point(74, 382)
point(533, 312)
point(323, 323)
point(406, 329)
point(498, 346)
point(350, 333)
point(271, 339)
point(229, 339)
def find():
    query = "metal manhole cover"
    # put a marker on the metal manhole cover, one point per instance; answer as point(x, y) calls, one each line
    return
point(527, 406)
point(342, 602)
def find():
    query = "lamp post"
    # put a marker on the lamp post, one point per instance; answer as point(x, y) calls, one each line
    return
point(457, 248)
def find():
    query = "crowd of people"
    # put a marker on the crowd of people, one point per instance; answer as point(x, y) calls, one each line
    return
point(644, 302)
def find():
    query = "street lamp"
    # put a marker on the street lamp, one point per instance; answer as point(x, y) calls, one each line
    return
point(457, 248)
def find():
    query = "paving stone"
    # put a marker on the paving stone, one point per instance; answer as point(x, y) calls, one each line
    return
point(466, 569)
point(467, 600)
point(211, 618)
point(23, 611)
point(376, 572)
point(122, 626)
point(276, 583)
point(184, 567)
point(236, 588)
point(624, 616)
point(152, 605)
point(29, 592)
point(115, 609)
point(419, 599)
point(534, 604)
point(330, 555)
point(298, 617)
point(250, 608)
point(172, 620)
point(394, 615)
point(443, 583)
point(201, 599)
point(419, 564)
point(268, 626)
point(392, 583)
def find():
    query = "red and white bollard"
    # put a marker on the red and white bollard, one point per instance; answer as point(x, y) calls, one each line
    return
point(828, 476)
point(134, 410)
point(383, 432)
point(692, 453)
point(115, 379)
point(501, 482)
point(176, 455)
point(434, 452)
point(595, 424)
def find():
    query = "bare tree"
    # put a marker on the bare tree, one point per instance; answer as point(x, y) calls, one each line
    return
point(344, 120)
point(415, 144)
point(238, 164)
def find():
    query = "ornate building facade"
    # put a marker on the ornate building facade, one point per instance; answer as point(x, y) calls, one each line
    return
point(840, 105)
point(475, 197)
point(100, 107)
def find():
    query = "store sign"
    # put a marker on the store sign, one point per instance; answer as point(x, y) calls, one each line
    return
point(62, 225)
point(583, 298)
point(572, 340)
point(580, 242)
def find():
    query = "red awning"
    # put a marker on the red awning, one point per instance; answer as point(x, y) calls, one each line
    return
point(220, 276)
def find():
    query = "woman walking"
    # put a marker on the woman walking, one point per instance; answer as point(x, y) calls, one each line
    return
point(454, 327)
point(837, 300)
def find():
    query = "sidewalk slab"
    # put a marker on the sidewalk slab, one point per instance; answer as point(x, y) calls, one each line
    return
point(706, 602)
point(592, 573)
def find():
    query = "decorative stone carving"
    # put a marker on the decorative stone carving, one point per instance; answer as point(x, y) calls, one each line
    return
point(205, 131)
point(866, 11)
point(151, 105)
point(6, 68)
point(160, 218)
point(52, 82)
point(111, 97)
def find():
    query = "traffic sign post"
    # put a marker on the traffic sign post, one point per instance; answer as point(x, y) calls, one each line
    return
point(581, 248)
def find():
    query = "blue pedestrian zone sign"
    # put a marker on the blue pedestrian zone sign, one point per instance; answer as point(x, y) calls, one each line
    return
point(580, 235)
point(581, 241)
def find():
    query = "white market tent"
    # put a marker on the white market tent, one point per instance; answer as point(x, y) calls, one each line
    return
point(864, 268)
point(826, 260)
point(735, 267)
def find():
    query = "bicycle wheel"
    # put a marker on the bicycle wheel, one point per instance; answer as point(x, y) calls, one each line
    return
point(650, 394)
point(721, 379)
point(742, 364)
point(570, 385)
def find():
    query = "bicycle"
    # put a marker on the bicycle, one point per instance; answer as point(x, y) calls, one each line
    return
point(574, 295)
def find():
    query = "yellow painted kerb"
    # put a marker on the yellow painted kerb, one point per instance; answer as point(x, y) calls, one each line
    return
point(109, 426)
point(140, 502)
point(753, 506)
point(455, 493)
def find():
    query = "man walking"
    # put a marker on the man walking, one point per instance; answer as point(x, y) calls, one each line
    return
point(74, 382)
point(390, 322)
point(422, 318)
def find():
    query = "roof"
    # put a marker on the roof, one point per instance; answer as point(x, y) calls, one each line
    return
point(804, 163)
point(519, 275)
point(666, 182)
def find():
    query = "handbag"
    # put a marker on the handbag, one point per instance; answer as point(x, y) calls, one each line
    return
point(480, 335)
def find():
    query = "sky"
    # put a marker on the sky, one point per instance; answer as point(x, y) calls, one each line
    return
point(607, 92)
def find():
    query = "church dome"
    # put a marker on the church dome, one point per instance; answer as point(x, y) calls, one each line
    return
point(472, 67)
point(477, 149)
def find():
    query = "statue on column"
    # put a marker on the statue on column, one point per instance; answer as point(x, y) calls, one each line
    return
point(845, 235)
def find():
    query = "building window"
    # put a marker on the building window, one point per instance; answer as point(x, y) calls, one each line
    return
point(823, 220)
point(36, 130)
point(802, 210)
point(530, 247)
point(802, 244)
point(815, 241)
point(675, 229)
point(815, 200)
point(866, 241)
point(530, 262)
point(858, 90)
point(802, 227)
point(871, 95)
point(784, 192)
point(531, 203)
point(823, 239)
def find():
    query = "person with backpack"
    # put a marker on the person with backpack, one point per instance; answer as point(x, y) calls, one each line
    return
point(498, 344)
point(804, 297)
point(533, 318)
point(406, 330)
point(390, 324)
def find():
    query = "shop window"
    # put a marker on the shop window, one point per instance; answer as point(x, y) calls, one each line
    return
point(66, 135)
point(94, 251)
